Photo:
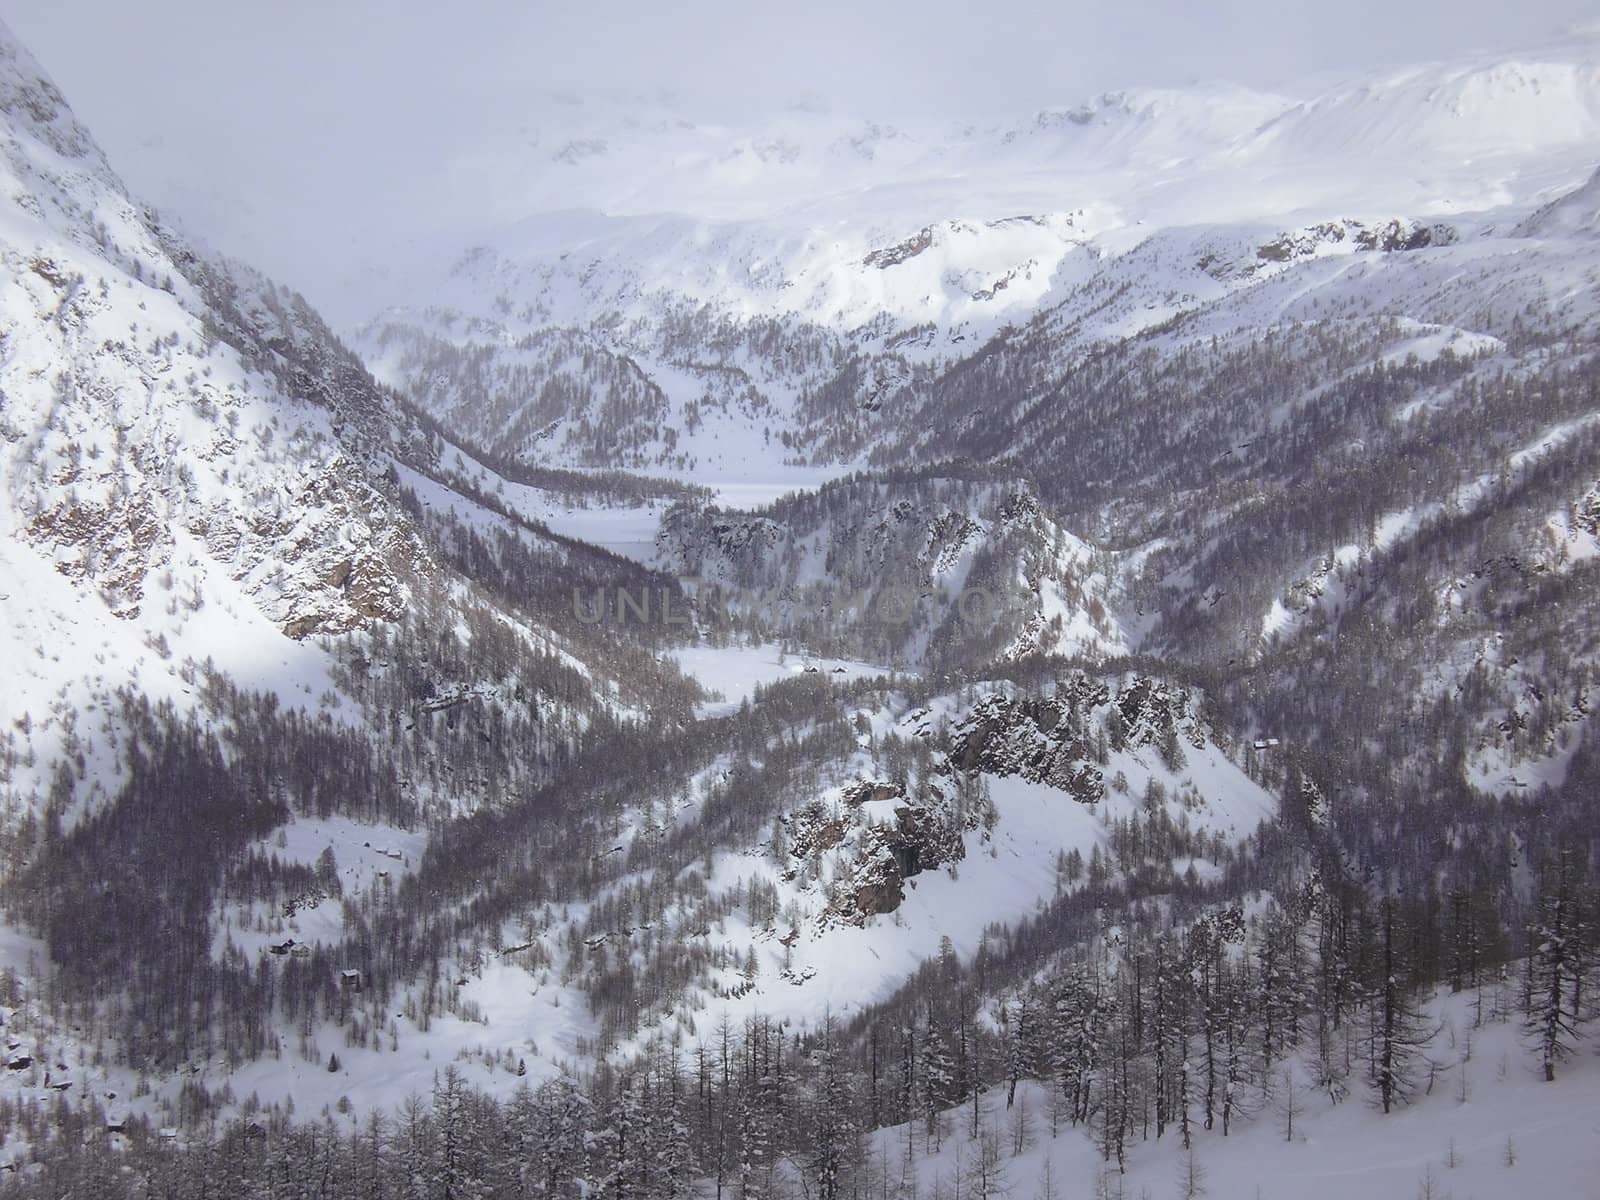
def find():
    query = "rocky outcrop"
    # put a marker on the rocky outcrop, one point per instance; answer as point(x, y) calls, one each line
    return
point(811, 830)
point(864, 790)
point(881, 835)
point(919, 836)
point(1387, 237)
point(1152, 713)
point(111, 545)
point(893, 256)
point(346, 558)
point(1043, 740)
point(1394, 236)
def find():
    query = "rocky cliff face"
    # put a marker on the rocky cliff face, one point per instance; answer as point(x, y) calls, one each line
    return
point(1586, 512)
point(1346, 236)
point(921, 833)
point(883, 835)
point(1044, 740)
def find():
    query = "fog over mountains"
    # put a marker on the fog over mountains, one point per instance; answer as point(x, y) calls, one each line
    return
point(814, 655)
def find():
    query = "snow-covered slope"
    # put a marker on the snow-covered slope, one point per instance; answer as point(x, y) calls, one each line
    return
point(134, 434)
point(182, 481)
point(1498, 107)
point(208, 475)
point(213, 521)
point(1488, 1128)
point(267, 630)
point(1576, 214)
point(934, 818)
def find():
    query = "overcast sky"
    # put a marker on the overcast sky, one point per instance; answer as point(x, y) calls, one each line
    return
point(300, 132)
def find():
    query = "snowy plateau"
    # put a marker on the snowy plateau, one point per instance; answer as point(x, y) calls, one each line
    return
point(386, 809)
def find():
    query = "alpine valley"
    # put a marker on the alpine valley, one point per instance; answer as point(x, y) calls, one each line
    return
point(935, 661)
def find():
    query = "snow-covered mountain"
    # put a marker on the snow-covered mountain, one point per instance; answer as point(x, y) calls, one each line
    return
point(1179, 659)
point(165, 408)
point(781, 281)
point(192, 462)
point(212, 517)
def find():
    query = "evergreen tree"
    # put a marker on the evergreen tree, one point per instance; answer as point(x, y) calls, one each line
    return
point(1399, 1035)
point(1559, 947)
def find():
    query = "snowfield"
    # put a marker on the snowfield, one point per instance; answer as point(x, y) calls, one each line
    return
point(1488, 1129)
point(734, 672)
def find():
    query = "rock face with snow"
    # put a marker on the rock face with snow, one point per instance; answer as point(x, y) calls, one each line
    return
point(1586, 513)
point(919, 834)
point(1072, 744)
point(1045, 741)
point(164, 415)
point(1389, 237)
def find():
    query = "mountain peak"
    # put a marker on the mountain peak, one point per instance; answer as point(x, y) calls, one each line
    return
point(34, 105)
